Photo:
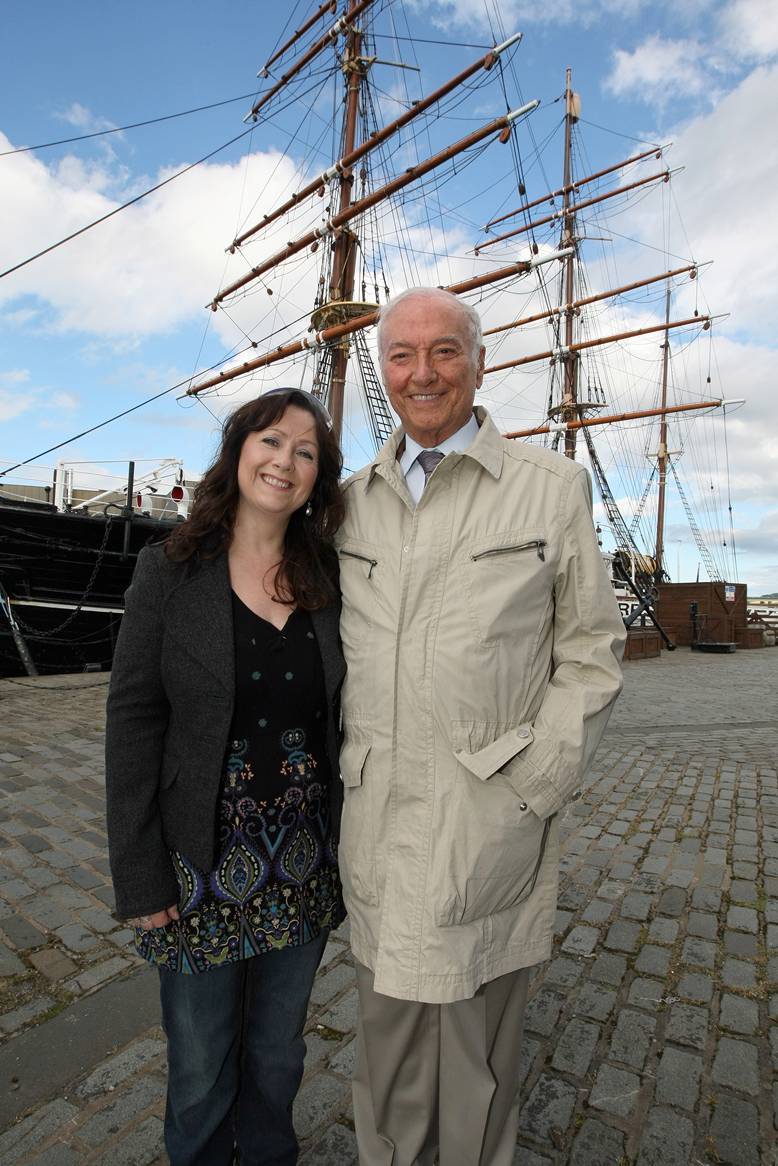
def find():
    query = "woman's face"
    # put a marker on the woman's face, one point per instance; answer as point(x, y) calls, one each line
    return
point(279, 465)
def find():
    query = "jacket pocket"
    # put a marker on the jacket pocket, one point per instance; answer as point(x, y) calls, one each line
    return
point(356, 851)
point(360, 582)
point(484, 760)
point(353, 756)
point(492, 844)
point(491, 894)
point(508, 584)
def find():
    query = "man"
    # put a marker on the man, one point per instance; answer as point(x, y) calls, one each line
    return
point(483, 645)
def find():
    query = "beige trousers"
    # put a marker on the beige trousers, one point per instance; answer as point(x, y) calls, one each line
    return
point(439, 1081)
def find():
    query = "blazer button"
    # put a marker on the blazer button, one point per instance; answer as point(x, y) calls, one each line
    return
point(522, 806)
point(522, 732)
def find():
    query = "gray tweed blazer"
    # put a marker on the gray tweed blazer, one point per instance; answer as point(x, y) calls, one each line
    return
point(170, 706)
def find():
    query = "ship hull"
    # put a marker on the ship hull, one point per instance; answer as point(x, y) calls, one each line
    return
point(65, 575)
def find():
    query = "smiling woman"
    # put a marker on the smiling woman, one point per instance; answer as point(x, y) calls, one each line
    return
point(278, 467)
point(214, 520)
point(221, 755)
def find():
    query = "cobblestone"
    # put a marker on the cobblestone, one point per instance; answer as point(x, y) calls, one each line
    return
point(597, 1145)
point(739, 1015)
point(575, 1049)
point(678, 1079)
point(738, 974)
point(615, 1091)
point(653, 960)
point(668, 1139)
point(736, 1065)
point(21, 1139)
point(120, 1112)
point(696, 987)
point(632, 1038)
point(688, 1025)
point(630, 1050)
point(549, 1107)
point(581, 940)
point(734, 1131)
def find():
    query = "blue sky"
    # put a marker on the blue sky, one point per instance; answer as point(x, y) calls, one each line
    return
point(118, 314)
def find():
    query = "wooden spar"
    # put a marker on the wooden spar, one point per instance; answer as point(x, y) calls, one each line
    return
point(572, 209)
point(357, 208)
point(306, 59)
point(581, 344)
point(519, 268)
point(328, 6)
point(585, 422)
point(344, 250)
point(327, 335)
point(662, 456)
point(616, 291)
point(349, 159)
point(575, 186)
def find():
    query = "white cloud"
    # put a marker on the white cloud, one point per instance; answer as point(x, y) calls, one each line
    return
point(760, 540)
point(67, 401)
point(14, 376)
point(660, 70)
point(81, 118)
point(749, 29)
point(20, 318)
point(143, 271)
point(515, 14)
point(14, 404)
point(730, 174)
point(729, 37)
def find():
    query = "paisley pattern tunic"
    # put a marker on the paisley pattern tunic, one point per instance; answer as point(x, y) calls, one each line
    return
point(276, 881)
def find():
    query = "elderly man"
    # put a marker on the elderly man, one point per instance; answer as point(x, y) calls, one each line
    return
point(483, 645)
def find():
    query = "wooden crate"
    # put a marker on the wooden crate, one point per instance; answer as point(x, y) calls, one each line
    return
point(751, 636)
point(642, 643)
point(721, 611)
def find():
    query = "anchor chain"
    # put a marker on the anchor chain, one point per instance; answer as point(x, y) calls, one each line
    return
point(31, 631)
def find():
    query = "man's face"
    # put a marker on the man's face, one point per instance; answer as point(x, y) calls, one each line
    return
point(429, 368)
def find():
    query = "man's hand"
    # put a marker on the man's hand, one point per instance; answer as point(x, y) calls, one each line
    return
point(158, 919)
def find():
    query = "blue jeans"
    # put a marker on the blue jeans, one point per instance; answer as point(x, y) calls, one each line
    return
point(235, 1057)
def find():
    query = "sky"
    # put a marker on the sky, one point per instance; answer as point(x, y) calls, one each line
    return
point(119, 314)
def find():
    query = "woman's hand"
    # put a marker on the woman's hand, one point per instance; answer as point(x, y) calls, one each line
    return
point(158, 919)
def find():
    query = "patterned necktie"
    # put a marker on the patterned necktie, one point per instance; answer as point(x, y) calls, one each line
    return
point(428, 459)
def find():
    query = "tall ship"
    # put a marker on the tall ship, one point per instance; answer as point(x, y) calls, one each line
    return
point(384, 179)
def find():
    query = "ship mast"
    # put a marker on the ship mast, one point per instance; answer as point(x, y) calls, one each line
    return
point(662, 456)
point(344, 250)
point(569, 406)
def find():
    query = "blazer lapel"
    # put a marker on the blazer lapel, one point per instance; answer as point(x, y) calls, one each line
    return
point(198, 614)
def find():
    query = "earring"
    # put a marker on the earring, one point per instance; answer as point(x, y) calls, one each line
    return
point(308, 509)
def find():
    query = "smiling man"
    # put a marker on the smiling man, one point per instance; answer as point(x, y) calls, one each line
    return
point(483, 645)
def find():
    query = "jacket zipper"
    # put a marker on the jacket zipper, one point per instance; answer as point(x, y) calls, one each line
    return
point(538, 544)
point(362, 558)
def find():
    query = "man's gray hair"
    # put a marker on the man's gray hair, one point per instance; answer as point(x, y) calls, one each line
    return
point(432, 293)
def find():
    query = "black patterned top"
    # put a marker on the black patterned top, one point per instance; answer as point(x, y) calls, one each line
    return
point(276, 880)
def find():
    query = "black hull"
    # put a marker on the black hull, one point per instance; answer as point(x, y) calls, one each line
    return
point(72, 570)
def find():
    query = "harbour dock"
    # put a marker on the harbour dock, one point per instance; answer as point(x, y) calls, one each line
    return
point(651, 1036)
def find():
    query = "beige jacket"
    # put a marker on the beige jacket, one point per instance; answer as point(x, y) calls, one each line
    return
point(483, 644)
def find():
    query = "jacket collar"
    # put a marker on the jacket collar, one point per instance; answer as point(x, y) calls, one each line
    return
point(487, 450)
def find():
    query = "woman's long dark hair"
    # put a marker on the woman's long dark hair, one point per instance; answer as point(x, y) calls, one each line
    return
point(307, 573)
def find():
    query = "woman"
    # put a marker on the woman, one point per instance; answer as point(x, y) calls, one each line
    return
point(222, 779)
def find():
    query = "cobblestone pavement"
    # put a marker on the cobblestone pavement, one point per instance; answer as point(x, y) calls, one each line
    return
point(651, 1036)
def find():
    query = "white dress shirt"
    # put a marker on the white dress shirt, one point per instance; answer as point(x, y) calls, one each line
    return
point(457, 443)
